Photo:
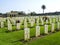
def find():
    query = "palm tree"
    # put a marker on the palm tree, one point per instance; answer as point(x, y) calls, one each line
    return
point(43, 7)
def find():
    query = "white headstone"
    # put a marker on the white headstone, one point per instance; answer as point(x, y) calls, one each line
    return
point(18, 26)
point(2, 24)
point(9, 26)
point(32, 23)
point(46, 29)
point(37, 31)
point(46, 21)
point(58, 25)
point(14, 22)
point(52, 30)
point(26, 33)
point(37, 21)
point(42, 21)
point(25, 23)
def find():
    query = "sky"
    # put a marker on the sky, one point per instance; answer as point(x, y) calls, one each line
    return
point(29, 5)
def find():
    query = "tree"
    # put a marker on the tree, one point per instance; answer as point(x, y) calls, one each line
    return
point(22, 13)
point(43, 7)
point(32, 13)
point(0, 13)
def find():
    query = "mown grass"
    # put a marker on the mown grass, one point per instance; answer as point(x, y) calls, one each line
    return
point(53, 39)
point(16, 37)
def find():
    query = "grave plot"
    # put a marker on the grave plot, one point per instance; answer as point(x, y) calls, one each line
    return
point(28, 28)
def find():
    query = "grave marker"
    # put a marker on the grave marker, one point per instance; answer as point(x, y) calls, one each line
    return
point(37, 31)
point(9, 26)
point(52, 30)
point(18, 26)
point(2, 24)
point(25, 23)
point(46, 29)
point(58, 25)
point(26, 33)
point(46, 21)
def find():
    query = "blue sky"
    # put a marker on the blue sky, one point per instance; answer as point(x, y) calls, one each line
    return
point(29, 5)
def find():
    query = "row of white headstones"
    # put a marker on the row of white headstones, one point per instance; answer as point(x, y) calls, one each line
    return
point(32, 21)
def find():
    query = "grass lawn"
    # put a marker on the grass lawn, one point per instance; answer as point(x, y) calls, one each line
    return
point(53, 39)
point(16, 37)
